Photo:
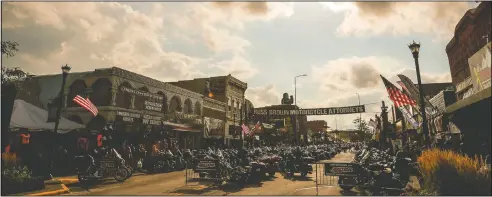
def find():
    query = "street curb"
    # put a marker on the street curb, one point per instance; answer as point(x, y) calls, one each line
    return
point(53, 193)
point(69, 181)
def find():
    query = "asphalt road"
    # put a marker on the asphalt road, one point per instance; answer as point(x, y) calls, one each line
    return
point(174, 184)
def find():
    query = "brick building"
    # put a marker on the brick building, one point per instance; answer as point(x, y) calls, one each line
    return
point(225, 89)
point(133, 103)
point(317, 125)
point(471, 34)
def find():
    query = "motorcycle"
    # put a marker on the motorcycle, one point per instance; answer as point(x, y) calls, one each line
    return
point(271, 164)
point(88, 171)
point(179, 162)
point(165, 162)
point(303, 166)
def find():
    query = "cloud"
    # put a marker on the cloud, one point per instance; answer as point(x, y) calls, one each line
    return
point(355, 73)
point(400, 18)
point(238, 67)
point(425, 77)
point(340, 81)
point(90, 35)
point(263, 95)
point(87, 36)
point(218, 23)
point(260, 8)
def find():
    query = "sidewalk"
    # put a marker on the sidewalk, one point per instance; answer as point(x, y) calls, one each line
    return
point(54, 187)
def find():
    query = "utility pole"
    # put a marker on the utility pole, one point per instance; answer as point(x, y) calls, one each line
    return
point(241, 122)
point(384, 129)
point(393, 112)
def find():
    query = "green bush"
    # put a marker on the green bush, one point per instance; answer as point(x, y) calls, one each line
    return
point(16, 174)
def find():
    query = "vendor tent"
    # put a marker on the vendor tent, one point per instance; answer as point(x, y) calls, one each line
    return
point(26, 115)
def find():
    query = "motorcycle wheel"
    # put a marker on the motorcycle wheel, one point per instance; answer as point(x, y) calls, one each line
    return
point(129, 172)
point(304, 174)
point(121, 174)
point(82, 180)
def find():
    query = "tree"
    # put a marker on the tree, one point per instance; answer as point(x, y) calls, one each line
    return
point(10, 77)
point(361, 125)
point(362, 132)
point(9, 48)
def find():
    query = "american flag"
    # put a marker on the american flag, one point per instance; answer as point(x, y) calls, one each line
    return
point(396, 95)
point(86, 104)
point(245, 129)
point(257, 127)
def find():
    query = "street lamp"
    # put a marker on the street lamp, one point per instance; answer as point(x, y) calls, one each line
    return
point(65, 71)
point(415, 49)
point(295, 103)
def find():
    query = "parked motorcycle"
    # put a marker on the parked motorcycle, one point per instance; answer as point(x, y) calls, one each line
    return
point(87, 170)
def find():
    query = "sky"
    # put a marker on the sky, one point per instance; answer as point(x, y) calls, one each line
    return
point(342, 47)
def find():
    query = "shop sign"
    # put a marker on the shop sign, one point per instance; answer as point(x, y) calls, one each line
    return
point(152, 120)
point(311, 112)
point(480, 64)
point(141, 93)
point(178, 116)
point(146, 119)
point(128, 116)
point(153, 106)
point(214, 126)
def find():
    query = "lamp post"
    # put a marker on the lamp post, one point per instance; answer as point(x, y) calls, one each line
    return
point(295, 103)
point(65, 71)
point(415, 49)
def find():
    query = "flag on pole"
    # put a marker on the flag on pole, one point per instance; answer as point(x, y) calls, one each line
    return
point(373, 123)
point(245, 129)
point(257, 127)
point(86, 104)
point(395, 95)
point(400, 100)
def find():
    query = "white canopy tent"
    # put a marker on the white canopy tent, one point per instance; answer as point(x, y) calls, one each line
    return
point(26, 115)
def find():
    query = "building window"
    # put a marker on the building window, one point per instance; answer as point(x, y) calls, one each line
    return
point(77, 88)
point(101, 92)
point(123, 98)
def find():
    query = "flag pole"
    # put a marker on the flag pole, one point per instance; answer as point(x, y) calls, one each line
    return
point(241, 124)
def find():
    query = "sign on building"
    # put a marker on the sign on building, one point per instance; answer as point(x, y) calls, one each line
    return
point(480, 70)
point(310, 112)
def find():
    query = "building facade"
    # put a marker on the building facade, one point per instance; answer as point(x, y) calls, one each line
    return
point(471, 34)
point(130, 101)
point(317, 125)
point(290, 122)
point(224, 89)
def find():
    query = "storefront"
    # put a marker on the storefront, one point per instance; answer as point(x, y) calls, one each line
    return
point(214, 132)
point(472, 117)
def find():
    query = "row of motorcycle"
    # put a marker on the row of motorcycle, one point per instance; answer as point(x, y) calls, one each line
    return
point(243, 166)
point(381, 173)
point(238, 165)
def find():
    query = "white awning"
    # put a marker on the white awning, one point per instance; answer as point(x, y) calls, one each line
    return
point(26, 115)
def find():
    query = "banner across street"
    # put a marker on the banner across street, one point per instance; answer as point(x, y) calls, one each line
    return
point(311, 112)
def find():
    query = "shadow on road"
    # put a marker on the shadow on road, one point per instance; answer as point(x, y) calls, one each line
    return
point(297, 178)
point(348, 193)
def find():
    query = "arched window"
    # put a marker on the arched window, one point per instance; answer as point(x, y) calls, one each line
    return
point(198, 108)
point(77, 88)
point(164, 102)
point(140, 100)
point(123, 98)
point(188, 107)
point(101, 92)
point(175, 104)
